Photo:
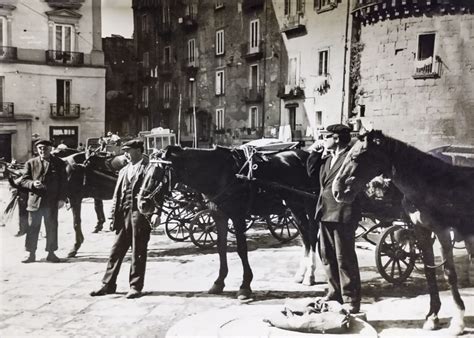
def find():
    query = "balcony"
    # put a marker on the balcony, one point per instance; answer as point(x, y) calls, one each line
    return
point(254, 94)
point(294, 25)
point(248, 5)
point(7, 53)
point(7, 109)
point(165, 28)
point(190, 66)
point(427, 69)
point(64, 111)
point(289, 92)
point(252, 51)
point(59, 57)
point(190, 21)
point(166, 69)
point(369, 11)
point(69, 4)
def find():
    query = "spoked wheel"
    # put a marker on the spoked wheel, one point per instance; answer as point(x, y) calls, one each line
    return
point(203, 230)
point(177, 224)
point(395, 254)
point(283, 227)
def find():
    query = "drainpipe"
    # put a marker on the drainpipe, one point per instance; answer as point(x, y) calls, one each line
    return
point(264, 71)
point(345, 61)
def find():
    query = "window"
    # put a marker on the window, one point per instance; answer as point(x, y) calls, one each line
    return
point(253, 118)
point(253, 77)
point(145, 96)
point(300, 6)
point(292, 117)
point(191, 10)
point(287, 7)
point(64, 38)
point(167, 55)
point(3, 31)
point(293, 71)
point(192, 91)
point(425, 57)
point(324, 5)
point(144, 123)
point(319, 118)
point(166, 91)
point(63, 97)
point(254, 36)
point(220, 42)
point(191, 52)
point(323, 62)
point(146, 60)
point(219, 119)
point(2, 86)
point(145, 23)
point(165, 15)
point(220, 84)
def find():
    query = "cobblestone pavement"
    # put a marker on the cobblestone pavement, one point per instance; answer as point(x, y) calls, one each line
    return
point(45, 299)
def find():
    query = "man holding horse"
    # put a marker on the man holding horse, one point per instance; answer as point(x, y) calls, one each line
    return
point(132, 228)
point(45, 179)
point(338, 222)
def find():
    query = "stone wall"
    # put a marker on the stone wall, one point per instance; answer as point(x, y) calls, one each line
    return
point(423, 112)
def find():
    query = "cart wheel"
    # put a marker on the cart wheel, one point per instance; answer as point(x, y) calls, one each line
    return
point(177, 224)
point(283, 227)
point(395, 254)
point(203, 231)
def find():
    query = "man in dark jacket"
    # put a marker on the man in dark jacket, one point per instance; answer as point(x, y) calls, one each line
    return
point(132, 228)
point(45, 179)
point(338, 222)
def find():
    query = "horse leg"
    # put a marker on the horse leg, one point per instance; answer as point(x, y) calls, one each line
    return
point(99, 211)
point(76, 214)
point(423, 237)
point(303, 275)
point(221, 225)
point(245, 292)
point(457, 322)
point(469, 242)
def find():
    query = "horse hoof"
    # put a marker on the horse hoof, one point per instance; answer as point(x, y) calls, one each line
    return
point(244, 294)
point(72, 254)
point(308, 280)
point(456, 329)
point(298, 279)
point(431, 324)
point(216, 289)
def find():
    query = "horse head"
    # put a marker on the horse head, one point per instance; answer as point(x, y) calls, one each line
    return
point(155, 185)
point(366, 159)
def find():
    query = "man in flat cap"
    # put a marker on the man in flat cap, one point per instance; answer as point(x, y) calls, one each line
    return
point(45, 179)
point(131, 227)
point(338, 223)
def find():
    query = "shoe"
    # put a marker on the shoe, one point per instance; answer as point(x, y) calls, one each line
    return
point(133, 293)
point(104, 290)
point(52, 258)
point(30, 258)
point(98, 227)
point(20, 233)
point(351, 308)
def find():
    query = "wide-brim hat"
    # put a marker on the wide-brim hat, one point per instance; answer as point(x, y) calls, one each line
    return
point(43, 142)
point(135, 144)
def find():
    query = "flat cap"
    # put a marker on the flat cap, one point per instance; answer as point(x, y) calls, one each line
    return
point(133, 144)
point(43, 142)
point(338, 129)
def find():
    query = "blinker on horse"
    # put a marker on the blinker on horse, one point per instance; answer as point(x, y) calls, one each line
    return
point(437, 196)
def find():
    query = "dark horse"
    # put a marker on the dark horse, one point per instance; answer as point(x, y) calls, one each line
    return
point(213, 173)
point(437, 196)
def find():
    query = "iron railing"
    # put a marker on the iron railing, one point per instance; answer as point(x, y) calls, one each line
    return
point(8, 53)
point(64, 111)
point(7, 109)
point(64, 57)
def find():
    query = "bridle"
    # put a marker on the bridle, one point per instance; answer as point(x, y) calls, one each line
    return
point(151, 195)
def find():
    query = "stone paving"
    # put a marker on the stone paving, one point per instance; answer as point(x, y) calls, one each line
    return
point(45, 299)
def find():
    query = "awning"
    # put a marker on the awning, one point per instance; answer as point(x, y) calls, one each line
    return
point(292, 105)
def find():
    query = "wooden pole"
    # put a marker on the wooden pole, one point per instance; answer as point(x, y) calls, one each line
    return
point(179, 120)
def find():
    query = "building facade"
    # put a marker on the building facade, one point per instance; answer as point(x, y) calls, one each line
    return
point(214, 64)
point(413, 74)
point(52, 75)
point(315, 92)
point(121, 76)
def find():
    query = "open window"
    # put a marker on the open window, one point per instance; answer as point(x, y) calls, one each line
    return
point(426, 63)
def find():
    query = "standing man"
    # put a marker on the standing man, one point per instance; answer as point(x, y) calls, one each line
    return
point(131, 227)
point(45, 178)
point(338, 223)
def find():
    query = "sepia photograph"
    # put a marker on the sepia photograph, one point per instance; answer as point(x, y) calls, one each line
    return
point(237, 168)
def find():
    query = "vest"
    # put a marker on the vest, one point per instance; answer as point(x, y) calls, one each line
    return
point(127, 196)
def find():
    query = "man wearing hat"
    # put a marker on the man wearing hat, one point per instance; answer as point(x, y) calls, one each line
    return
point(131, 227)
point(45, 179)
point(338, 222)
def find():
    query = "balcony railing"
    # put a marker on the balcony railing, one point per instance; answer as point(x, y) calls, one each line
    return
point(427, 68)
point(60, 57)
point(8, 53)
point(7, 109)
point(252, 51)
point(294, 25)
point(166, 68)
point(190, 66)
point(190, 21)
point(70, 4)
point(288, 92)
point(254, 94)
point(64, 111)
point(252, 4)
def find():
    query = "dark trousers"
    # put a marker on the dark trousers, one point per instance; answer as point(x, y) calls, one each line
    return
point(135, 233)
point(50, 215)
point(337, 251)
point(23, 214)
point(99, 210)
